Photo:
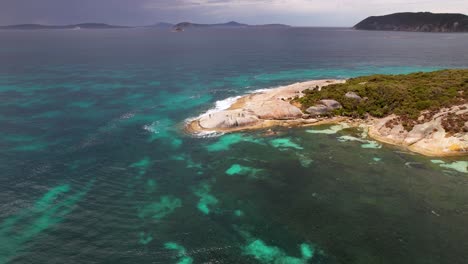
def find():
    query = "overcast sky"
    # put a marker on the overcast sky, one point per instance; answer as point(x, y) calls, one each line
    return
point(143, 12)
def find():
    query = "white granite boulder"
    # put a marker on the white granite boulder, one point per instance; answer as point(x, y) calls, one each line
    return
point(325, 107)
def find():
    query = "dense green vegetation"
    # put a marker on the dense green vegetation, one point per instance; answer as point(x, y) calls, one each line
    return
point(403, 95)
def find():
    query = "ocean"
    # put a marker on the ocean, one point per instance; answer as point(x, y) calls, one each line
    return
point(96, 166)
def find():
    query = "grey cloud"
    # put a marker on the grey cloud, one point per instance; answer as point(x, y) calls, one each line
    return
point(141, 12)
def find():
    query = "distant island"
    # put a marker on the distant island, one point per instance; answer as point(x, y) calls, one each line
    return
point(423, 112)
point(417, 22)
point(161, 25)
point(233, 24)
point(73, 26)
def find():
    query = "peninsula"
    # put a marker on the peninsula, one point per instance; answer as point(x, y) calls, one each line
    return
point(418, 22)
point(425, 113)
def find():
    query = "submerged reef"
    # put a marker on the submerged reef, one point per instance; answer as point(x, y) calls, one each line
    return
point(181, 253)
point(207, 201)
point(47, 211)
point(141, 165)
point(158, 210)
point(267, 254)
point(226, 141)
point(460, 166)
point(237, 169)
point(145, 238)
point(284, 143)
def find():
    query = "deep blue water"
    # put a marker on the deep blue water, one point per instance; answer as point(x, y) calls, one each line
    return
point(96, 167)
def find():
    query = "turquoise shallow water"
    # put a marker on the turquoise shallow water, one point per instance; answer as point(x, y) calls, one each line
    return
point(97, 168)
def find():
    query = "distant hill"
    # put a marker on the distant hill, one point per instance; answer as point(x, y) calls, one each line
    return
point(73, 26)
point(161, 25)
point(195, 25)
point(184, 25)
point(178, 27)
point(420, 22)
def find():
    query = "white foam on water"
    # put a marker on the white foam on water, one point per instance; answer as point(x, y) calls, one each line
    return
point(153, 127)
point(127, 115)
point(262, 90)
point(351, 138)
point(369, 144)
point(208, 134)
point(222, 105)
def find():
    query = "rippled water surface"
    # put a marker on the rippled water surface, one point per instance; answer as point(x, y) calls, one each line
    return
point(96, 168)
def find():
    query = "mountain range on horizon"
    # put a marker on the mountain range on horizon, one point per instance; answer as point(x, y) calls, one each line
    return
point(231, 24)
point(71, 26)
point(417, 22)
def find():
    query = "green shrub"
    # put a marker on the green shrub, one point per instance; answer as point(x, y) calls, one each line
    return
point(404, 95)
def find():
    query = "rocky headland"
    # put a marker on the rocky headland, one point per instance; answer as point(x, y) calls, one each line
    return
point(434, 122)
point(417, 22)
point(267, 108)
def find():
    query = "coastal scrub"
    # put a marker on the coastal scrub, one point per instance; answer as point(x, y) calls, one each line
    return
point(403, 95)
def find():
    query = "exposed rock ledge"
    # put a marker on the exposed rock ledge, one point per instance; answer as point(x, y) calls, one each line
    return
point(429, 137)
point(272, 107)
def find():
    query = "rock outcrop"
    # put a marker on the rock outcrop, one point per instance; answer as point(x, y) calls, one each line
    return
point(324, 107)
point(433, 137)
point(228, 119)
point(353, 95)
point(440, 133)
point(263, 109)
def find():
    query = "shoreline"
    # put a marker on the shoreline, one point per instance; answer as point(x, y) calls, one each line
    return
point(268, 108)
point(194, 127)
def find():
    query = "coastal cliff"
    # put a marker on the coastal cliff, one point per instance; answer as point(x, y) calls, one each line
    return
point(425, 113)
point(418, 22)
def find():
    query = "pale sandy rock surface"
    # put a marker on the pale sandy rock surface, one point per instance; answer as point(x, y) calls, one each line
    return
point(262, 109)
point(428, 138)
